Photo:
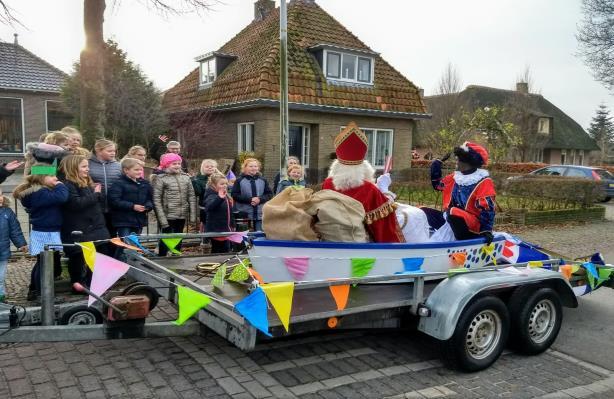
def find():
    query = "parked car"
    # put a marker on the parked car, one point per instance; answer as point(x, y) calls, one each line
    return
point(601, 176)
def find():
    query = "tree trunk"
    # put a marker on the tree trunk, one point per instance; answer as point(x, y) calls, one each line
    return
point(92, 92)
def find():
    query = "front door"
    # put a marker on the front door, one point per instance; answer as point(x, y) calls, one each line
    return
point(298, 143)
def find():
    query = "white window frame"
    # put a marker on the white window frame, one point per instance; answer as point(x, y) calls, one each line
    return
point(251, 137)
point(373, 154)
point(581, 157)
point(23, 128)
point(340, 78)
point(209, 62)
point(563, 157)
point(305, 143)
point(546, 125)
point(572, 156)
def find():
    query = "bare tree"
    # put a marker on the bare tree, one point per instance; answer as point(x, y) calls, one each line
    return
point(526, 76)
point(596, 39)
point(450, 81)
point(195, 128)
point(7, 15)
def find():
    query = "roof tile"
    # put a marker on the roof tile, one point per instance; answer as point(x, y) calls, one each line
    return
point(22, 70)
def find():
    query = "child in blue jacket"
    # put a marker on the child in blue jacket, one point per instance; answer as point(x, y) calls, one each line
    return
point(43, 196)
point(10, 231)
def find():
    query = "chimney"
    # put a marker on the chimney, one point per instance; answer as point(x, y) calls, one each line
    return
point(262, 8)
point(16, 41)
point(522, 87)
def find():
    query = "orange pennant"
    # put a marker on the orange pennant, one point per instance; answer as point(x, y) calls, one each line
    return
point(340, 294)
point(458, 259)
point(565, 271)
point(118, 241)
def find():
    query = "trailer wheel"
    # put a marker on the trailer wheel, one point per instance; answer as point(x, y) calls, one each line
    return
point(536, 317)
point(81, 315)
point(143, 289)
point(479, 337)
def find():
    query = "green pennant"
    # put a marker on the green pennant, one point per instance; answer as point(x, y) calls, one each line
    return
point(239, 274)
point(362, 266)
point(605, 273)
point(171, 244)
point(454, 272)
point(218, 278)
point(190, 302)
point(43, 170)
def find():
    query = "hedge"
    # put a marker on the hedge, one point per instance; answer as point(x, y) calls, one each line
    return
point(506, 167)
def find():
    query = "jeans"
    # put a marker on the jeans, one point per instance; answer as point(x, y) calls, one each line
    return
point(257, 225)
point(3, 266)
point(174, 226)
point(123, 232)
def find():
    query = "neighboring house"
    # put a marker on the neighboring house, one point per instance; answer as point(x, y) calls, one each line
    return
point(334, 78)
point(30, 101)
point(550, 135)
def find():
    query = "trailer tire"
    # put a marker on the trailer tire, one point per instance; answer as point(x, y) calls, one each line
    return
point(143, 289)
point(536, 317)
point(479, 337)
point(81, 315)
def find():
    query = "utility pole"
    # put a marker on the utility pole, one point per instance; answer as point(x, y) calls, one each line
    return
point(283, 86)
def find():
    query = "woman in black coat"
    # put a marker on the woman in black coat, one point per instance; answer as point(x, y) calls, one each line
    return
point(218, 207)
point(82, 212)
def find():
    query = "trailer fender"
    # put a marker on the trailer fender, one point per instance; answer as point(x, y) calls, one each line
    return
point(449, 299)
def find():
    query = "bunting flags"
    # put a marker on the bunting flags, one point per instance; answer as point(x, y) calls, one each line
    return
point(190, 302)
point(106, 272)
point(297, 267)
point(591, 273)
point(135, 240)
point(535, 264)
point(280, 295)
point(89, 253)
point(239, 273)
point(340, 293)
point(253, 308)
point(171, 244)
point(118, 241)
point(565, 270)
point(218, 278)
point(458, 259)
point(412, 264)
point(490, 251)
point(361, 266)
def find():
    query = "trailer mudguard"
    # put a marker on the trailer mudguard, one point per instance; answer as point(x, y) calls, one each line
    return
point(448, 300)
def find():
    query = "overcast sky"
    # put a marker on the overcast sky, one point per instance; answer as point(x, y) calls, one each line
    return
point(490, 42)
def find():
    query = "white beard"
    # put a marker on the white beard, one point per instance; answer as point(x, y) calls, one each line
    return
point(346, 177)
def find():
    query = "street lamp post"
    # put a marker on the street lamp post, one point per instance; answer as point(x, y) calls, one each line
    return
point(283, 86)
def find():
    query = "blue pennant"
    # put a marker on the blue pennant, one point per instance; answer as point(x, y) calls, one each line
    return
point(253, 308)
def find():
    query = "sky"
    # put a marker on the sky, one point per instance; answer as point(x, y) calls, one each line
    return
point(489, 42)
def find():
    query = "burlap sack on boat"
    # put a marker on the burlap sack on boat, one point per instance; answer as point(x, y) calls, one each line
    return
point(284, 216)
point(338, 217)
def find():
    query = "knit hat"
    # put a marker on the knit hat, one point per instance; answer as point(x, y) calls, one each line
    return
point(168, 158)
point(472, 154)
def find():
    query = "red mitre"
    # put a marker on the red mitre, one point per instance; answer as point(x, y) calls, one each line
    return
point(351, 145)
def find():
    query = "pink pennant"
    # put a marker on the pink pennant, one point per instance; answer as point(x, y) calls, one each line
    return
point(297, 266)
point(106, 272)
point(236, 237)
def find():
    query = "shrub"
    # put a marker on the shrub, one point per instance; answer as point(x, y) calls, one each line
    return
point(568, 191)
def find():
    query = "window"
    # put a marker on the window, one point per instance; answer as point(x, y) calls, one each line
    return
point(575, 172)
point(207, 71)
point(380, 145)
point(543, 126)
point(11, 125)
point(298, 143)
point(57, 115)
point(348, 67)
point(580, 157)
point(563, 157)
point(550, 171)
point(538, 155)
point(572, 157)
point(246, 136)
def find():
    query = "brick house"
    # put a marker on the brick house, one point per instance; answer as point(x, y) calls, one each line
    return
point(555, 137)
point(333, 78)
point(30, 102)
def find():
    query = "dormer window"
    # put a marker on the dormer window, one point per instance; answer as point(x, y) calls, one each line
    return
point(543, 126)
point(211, 65)
point(207, 71)
point(345, 65)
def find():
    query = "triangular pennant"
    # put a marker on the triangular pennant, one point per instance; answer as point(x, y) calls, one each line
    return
point(218, 278)
point(535, 264)
point(565, 270)
point(253, 308)
point(237, 237)
point(458, 259)
point(412, 264)
point(118, 241)
point(361, 266)
point(297, 266)
point(454, 272)
point(135, 240)
point(171, 244)
point(190, 302)
point(340, 294)
point(239, 274)
point(106, 272)
point(574, 268)
point(591, 269)
point(280, 295)
point(605, 273)
point(89, 253)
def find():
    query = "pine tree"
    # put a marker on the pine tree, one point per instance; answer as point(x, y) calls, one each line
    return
point(602, 130)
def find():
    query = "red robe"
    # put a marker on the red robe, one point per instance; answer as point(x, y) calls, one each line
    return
point(380, 219)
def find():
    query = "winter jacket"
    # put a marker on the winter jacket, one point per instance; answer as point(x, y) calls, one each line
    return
point(44, 205)
point(4, 173)
point(245, 188)
point(83, 212)
point(106, 173)
point(219, 212)
point(173, 198)
point(278, 178)
point(200, 186)
point(288, 182)
point(10, 231)
point(124, 194)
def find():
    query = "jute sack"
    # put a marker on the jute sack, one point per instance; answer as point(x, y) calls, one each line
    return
point(338, 217)
point(284, 216)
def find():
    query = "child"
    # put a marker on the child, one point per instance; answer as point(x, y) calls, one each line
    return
point(173, 197)
point(42, 196)
point(10, 231)
point(104, 169)
point(137, 152)
point(295, 178)
point(207, 168)
point(74, 138)
point(130, 198)
point(291, 160)
point(82, 212)
point(251, 191)
point(218, 207)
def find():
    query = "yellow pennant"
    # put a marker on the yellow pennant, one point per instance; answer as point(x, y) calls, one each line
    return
point(535, 264)
point(280, 295)
point(89, 253)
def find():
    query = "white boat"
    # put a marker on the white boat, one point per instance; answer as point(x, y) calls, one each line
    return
point(331, 260)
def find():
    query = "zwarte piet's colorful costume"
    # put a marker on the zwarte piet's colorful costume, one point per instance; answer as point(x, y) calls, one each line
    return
point(351, 175)
point(468, 198)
